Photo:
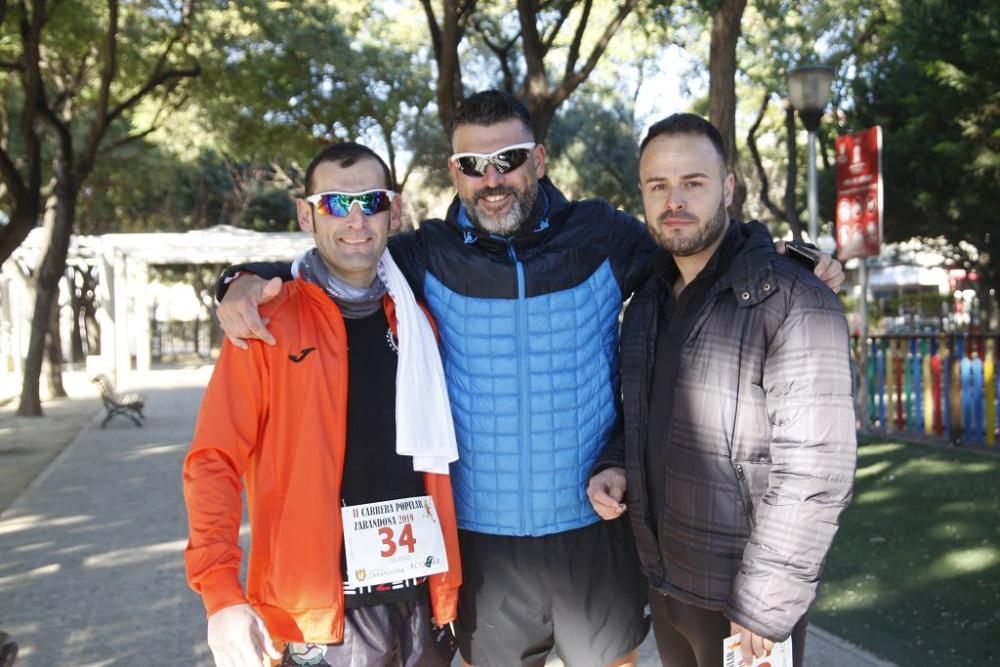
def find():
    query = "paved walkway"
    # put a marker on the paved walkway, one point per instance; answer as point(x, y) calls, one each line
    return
point(91, 572)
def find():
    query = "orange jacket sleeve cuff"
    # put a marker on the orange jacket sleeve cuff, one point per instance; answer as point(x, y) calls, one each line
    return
point(220, 589)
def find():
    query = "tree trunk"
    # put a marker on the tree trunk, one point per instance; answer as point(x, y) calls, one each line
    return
point(543, 91)
point(542, 118)
point(791, 211)
point(31, 403)
point(765, 191)
point(24, 217)
point(46, 292)
point(391, 149)
point(726, 21)
point(445, 39)
point(54, 355)
point(24, 192)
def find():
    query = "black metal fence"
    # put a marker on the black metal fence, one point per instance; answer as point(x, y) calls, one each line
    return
point(173, 339)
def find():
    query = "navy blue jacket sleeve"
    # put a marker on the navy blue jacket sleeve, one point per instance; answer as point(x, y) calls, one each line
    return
point(630, 247)
point(265, 270)
point(613, 454)
point(405, 249)
point(408, 252)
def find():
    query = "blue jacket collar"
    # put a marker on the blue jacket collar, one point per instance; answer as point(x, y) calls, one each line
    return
point(545, 214)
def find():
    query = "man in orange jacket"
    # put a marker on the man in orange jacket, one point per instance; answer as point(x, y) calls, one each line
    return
point(353, 544)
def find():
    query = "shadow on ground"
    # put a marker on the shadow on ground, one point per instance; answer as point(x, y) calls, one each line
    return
point(915, 570)
point(29, 444)
point(91, 569)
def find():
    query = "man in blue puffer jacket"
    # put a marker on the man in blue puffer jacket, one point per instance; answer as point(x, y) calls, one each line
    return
point(526, 288)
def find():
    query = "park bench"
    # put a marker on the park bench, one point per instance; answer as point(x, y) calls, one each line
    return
point(129, 405)
point(8, 650)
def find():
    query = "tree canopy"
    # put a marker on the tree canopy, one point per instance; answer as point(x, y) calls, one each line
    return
point(934, 87)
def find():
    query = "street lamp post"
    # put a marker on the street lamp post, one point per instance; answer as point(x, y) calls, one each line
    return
point(809, 90)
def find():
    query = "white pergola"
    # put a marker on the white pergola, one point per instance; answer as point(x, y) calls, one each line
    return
point(124, 306)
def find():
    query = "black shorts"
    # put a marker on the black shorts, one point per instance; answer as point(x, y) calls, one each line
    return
point(396, 634)
point(581, 592)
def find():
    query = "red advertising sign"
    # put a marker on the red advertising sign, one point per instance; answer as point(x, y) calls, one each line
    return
point(859, 194)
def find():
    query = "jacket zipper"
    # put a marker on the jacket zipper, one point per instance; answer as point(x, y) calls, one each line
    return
point(646, 382)
point(521, 312)
point(745, 496)
point(741, 478)
point(646, 388)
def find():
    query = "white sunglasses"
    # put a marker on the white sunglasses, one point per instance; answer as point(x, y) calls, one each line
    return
point(504, 159)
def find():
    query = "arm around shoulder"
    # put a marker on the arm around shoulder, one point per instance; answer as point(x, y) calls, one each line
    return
point(265, 270)
point(630, 248)
point(239, 313)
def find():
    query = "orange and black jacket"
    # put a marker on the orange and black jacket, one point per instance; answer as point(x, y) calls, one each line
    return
point(275, 418)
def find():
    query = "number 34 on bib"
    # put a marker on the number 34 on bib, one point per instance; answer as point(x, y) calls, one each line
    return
point(392, 541)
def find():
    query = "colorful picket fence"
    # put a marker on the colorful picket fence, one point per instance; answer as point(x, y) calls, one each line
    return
point(933, 386)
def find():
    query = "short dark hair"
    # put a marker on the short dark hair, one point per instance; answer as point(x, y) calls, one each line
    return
point(686, 123)
point(488, 108)
point(346, 154)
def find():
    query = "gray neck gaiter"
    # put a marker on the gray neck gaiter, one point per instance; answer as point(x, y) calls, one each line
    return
point(354, 302)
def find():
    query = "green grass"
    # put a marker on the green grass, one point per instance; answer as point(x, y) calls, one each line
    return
point(914, 574)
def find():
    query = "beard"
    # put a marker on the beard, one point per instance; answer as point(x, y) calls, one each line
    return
point(505, 223)
point(705, 234)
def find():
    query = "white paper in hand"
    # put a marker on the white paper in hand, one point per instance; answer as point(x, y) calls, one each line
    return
point(781, 654)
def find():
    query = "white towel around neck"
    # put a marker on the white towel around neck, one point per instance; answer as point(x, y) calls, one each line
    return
point(424, 426)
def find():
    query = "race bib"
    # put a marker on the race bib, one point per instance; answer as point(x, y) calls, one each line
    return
point(392, 541)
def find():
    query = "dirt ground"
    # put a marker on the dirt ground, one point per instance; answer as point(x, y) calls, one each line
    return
point(28, 444)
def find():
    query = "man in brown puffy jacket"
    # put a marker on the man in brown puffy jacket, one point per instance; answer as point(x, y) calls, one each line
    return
point(739, 446)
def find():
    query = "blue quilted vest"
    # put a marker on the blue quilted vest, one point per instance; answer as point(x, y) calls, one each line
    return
point(533, 382)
